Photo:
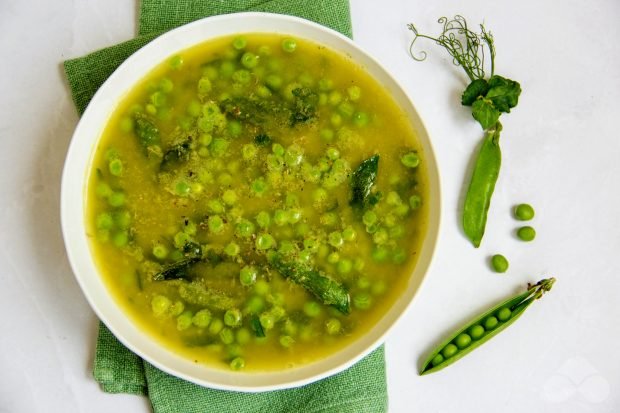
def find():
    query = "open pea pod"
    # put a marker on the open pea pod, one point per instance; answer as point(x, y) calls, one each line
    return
point(483, 328)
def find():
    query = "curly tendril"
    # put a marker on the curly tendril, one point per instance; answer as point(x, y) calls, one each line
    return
point(466, 47)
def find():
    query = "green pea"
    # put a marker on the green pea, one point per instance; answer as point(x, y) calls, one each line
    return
point(160, 251)
point(476, 331)
point(182, 188)
point(239, 43)
point(249, 151)
point(438, 359)
point(462, 340)
point(490, 323)
point(327, 135)
point(216, 326)
point(380, 237)
point(349, 234)
point(504, 314)
point(410, 160)
point(202, 318)
point(333, 326)
point(335, 239)
point(249, 60)
point(116, 199)
point(103, 190)
point(229, 197)
point(289, 45)
point(233, 317)
point(333, 257)
point(346, 109)
point(265, 242)
point(267, 320)
point(344, 266)
point(312, 309)
point(237, 363)
point(354, 92)
point(244, 228)
point(194, 109)
point(369, 218)
point(449, 351)
point(184, 321)
point(524, 212)
point(216, 224)
point(227, 336)
point(232, 249)
point(280, 217)
point(235, 129)
point(204, 86)
point(273, 81)
point(499, 263)
point(120, 239)
point(247, 275)
point(262, 287)
point(263, 219)
point(243, 336)
point(115, 167)
point(362, 301)
point(259, 186)
point(254, 305)
point(415, 201)
point(104, 221)
point(380, 254)
point(160, 305)
point(286, 341)
point(215, 206)
point(360, 119)
point(526, 233)
point(176, 61)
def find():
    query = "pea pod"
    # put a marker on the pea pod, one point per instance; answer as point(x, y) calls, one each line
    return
point(481, 186)
point(483, 328)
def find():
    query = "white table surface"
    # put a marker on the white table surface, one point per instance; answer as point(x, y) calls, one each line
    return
point(561, 154)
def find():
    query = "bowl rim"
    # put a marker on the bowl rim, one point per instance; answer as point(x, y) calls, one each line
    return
point(74, 228)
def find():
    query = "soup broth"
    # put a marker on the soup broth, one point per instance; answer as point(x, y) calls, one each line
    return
point(257, 202)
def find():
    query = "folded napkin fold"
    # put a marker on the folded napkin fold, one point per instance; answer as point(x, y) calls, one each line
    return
point(361, 388)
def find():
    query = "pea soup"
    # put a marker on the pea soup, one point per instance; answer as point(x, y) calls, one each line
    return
point(257, 202)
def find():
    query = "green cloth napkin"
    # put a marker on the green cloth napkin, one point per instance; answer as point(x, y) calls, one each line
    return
point(361, 388)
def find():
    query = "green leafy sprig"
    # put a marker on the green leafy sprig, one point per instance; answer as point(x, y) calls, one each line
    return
point(488, 97)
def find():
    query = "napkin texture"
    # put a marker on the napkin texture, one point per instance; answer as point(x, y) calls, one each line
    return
point(361, 388)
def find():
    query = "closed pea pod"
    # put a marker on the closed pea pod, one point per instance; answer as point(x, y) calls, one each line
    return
point(481, 186)
point(475, 333)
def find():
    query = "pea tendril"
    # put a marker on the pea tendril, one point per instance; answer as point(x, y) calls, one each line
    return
point(466, 47)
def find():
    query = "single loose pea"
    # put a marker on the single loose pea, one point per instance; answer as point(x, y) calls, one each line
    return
point(438, 359)
point(249, 60)
point(232, 249)
point(239, 43)
point(237, 363)
point(244, 228)
point(312, 309)
point(160, 305)
point(286, 341)
point(335, 239)
point(160, 251)
point(415, 201)
point(362, 301)
point(526, 233)
point(289, 45)
point(410, 160)
point(262, 287)
point(476, 331)
point(176, 61)
point(449, 351)
point(332, 326)
point(216, 326)
point(120, 239)
point(254, 305)
point(116, 199)
point(216, 224)
point(104, 221)
point(267, 320)
point(227, 336)
point(182, 188)
point(263, 219)
point(344, 266)
point(184, 321)
point(202, 318)
point(333, 257)
point(490, 323)
point(177, 308)
point(243, 336)
point(247, 275)
point(232, 317)
point(524, 212)
point(349, 234)
point(369, 218)
point(264, 242)
point(499, 263)
point(504, 314)
point(116, 167)
point(462, 340)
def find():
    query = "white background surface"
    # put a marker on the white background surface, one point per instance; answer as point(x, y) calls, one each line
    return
point(561, 154)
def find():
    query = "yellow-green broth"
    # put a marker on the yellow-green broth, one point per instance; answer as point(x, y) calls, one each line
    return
point(270, 131)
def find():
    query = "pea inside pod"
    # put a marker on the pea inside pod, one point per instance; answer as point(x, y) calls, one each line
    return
point(483, 327)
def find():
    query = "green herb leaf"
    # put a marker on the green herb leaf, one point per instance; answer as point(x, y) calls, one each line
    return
point(476, 88)
point(485, 113)
point(504, 93)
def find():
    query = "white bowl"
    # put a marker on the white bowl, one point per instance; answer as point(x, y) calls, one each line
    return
point(75, 175)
